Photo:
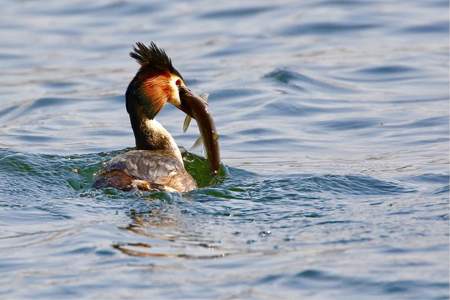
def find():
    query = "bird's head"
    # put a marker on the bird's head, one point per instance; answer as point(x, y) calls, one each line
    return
point(156, 82)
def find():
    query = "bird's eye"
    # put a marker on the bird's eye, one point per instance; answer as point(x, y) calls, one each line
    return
point(178, 82)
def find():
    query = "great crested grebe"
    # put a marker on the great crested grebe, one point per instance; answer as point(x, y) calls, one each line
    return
point(156, 164)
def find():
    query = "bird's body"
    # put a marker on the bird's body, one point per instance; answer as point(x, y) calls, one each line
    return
point(149, 170)
point(159, 169)
point(156, 164)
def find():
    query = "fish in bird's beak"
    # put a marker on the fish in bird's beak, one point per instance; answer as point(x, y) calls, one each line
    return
point(197, 108)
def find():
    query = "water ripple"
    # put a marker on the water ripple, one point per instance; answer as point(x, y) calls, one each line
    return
point(237, 12)
point(302, 82)
point(433, 28)
point(326, 28)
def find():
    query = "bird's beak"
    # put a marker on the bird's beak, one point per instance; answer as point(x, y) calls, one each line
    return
point(197, 108)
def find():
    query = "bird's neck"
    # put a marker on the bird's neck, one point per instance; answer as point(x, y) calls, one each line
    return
point(151, 135)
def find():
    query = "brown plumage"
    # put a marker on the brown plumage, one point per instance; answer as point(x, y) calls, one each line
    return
point(146, 170)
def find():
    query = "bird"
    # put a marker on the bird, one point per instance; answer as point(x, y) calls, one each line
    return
point(156, 163)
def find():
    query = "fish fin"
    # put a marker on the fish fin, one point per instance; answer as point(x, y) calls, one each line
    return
point(204, 96)
point(197, 143)
point(186, 123)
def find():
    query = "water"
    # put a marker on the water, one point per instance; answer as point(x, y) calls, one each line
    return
point(334, 124)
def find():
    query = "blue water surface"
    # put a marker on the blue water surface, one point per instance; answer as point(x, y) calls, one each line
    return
point(334, 124)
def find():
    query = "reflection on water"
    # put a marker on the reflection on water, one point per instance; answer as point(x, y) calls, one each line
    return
point(334, 127)
point(179, 243)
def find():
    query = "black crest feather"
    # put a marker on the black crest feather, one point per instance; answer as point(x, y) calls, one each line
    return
point(152, 56)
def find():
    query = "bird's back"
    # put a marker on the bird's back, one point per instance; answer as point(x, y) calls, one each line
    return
point(146, 170)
